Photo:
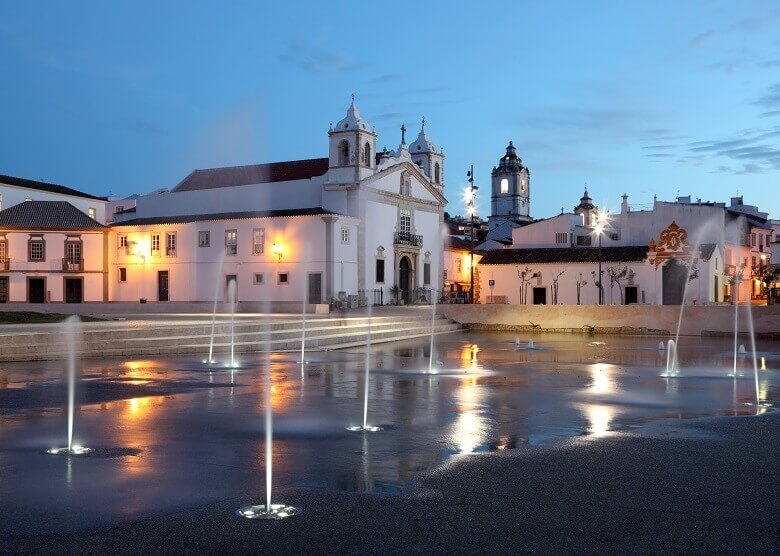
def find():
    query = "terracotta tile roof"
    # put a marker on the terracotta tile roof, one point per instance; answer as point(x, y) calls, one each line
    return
point(48, 187)
point(186, 218)
point(46, 215)
point(565, 255)
point(253, 174)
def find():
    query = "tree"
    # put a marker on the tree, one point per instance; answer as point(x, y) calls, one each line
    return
point(555, 287)
point(616, 274)
point(525, 277)
point(580, 284)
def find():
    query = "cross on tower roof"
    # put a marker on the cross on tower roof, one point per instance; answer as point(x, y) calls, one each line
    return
point(403, 134)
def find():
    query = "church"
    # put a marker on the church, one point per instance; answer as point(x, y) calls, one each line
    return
point(359, 225)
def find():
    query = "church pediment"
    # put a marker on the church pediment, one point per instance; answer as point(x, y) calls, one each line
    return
point(389, 180)
point(672, 242)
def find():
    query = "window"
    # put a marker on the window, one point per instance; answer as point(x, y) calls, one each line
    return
point(406, 185)
point(37, 249)
point(284, 278)
point(405, 222)
point(258, 278)
point(426, 273)
point(155, 245)
point(119, 209)
point(73, 252)
point(436, 173)
point(123, 275)
point(614, 236)
point(92, 213)
point(583, 240)
point(170, 244)
point(753, 240)
point(561, 237)
point(1, 201)
point(344, 235)
point(122, 240)
point(522, 186)
point(231, 246)
point(754, 262)
point(761, 242)
point(204, 239)
point(258, 241)
point(504, 186)
point(460, 266)
point(343, 153)
point(380, 271)
point(367, 155)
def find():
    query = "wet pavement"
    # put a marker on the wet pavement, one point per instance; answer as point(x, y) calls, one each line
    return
point(170, 435)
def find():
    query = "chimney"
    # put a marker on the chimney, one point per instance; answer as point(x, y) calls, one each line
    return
point(624, 208)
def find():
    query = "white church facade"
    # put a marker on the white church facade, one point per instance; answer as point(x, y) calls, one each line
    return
point(356, 223)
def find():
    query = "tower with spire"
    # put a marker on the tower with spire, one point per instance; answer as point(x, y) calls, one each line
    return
point(352, 148)
point(510, 200)
point(428, 157)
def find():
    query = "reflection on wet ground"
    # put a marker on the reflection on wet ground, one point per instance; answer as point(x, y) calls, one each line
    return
point(171, 433)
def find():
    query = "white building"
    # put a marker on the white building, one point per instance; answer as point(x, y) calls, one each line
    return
point(645, 256)
point(52, 243)
point(356, 222)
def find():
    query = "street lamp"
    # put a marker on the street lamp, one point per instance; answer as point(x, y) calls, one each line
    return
point(277, 250)
point(602, 218)
point(471, 209)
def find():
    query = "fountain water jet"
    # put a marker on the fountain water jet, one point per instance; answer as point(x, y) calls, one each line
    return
point(268, 510)
point(232, 301)
point(303, 313)
point(71, 328)
point(672, 363)
point(433, 327)
point(366, 427)
point(217, 281)
point(751, 330)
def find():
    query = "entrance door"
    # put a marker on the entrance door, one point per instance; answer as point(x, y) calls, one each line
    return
point(631, 295)
point(162, 285)
point(404, 277)
point(74, 290)
point(36, 290)
point(3, 289)
point(675, 274)
point(540, 296)
point(315, 288)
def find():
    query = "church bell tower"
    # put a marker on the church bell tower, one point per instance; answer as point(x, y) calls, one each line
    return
point(511, 190)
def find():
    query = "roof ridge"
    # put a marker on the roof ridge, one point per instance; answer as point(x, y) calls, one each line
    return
point(259, 164)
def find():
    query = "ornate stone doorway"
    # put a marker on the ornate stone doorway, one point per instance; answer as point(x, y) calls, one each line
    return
point(405, 278)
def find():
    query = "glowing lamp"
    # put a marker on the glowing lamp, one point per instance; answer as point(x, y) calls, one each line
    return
point(277, 250)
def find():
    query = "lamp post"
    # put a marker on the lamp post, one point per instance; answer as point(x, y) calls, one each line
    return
point(470, 197)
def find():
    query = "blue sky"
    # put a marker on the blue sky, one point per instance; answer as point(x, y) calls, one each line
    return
point(646, 98)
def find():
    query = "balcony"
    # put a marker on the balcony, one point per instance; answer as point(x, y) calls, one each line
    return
point(405, 238)
point(5, 265)
point(72, 265)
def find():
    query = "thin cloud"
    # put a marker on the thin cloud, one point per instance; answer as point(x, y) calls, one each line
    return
point(315, 59)
point(386, 78)
point(770, 99)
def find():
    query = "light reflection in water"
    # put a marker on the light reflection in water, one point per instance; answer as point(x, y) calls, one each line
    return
point(470, 426)
point(599, 417)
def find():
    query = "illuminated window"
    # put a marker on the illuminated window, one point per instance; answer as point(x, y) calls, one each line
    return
point(92, 213)
point(522, 186)
point(123, 240)
point(258, 241)
point(504, 186)
point(231, 245)
point(204, 239)
point(155, 245)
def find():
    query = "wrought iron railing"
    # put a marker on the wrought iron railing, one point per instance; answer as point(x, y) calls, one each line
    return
point(405, 238)
point(70, 264)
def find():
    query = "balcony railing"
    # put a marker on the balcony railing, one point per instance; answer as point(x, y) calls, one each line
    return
point(72, 265)
point(405, 238)
point(5, 264)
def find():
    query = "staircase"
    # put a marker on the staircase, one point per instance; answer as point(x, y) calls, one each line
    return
point(147, 338)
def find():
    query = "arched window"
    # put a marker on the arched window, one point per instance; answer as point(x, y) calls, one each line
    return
point(436, 178)
point(367, 155)
point(344, 153)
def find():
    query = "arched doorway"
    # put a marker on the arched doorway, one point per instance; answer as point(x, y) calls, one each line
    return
point(404, 277)
point(675, 273)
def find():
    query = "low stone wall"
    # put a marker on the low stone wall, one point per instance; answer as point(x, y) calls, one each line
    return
point(616, 319)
